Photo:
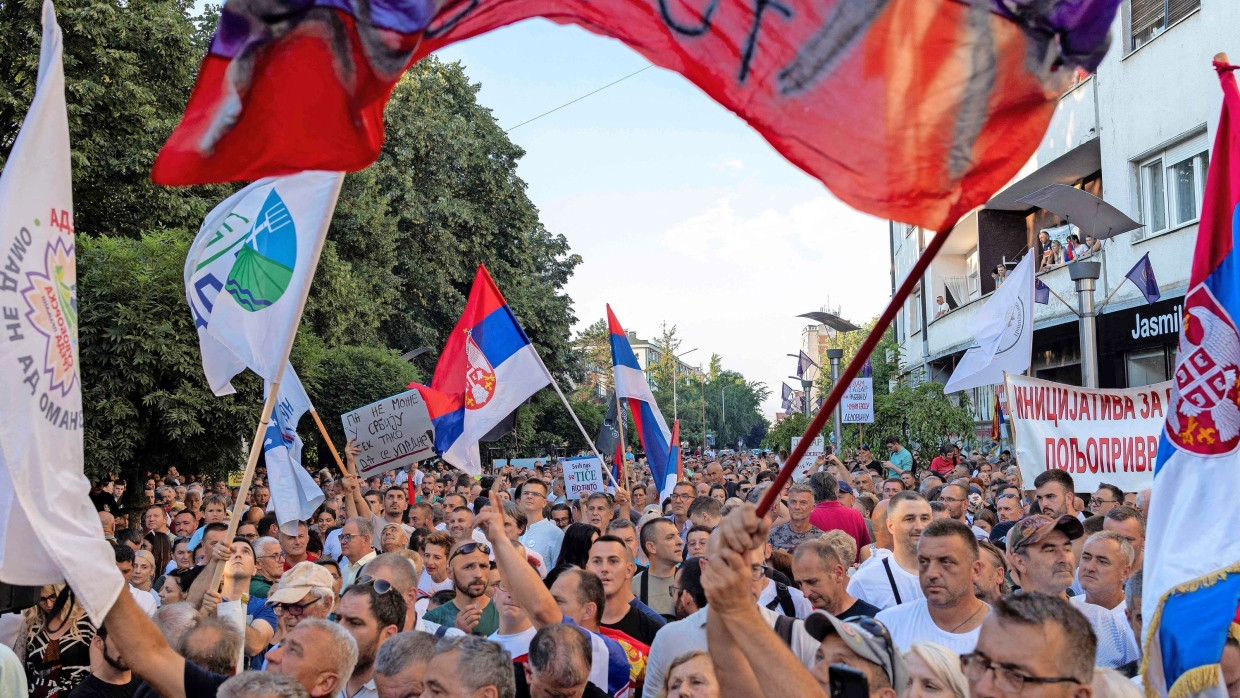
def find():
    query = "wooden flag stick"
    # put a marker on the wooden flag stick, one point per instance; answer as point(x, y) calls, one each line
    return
point(256, 447)
point(331, 446)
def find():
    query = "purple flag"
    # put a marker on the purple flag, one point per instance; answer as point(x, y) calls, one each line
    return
point(1142, 274)
point(1041, 292)
point(803, 364)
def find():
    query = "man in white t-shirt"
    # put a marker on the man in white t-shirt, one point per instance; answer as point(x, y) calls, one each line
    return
point(893, 580)
point(1106, 563)
point(541, 535)
point(950, 614)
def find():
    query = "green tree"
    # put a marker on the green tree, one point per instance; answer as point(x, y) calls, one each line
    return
point(922, 415)
point(779, 437)
point(593, 346)
point(129, 67)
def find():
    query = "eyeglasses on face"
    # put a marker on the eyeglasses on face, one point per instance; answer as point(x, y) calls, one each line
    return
point(975, 665)
point(346, 537)
point(294, 610)
point(1095, 501)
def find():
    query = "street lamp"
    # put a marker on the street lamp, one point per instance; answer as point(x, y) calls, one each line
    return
point(841, 326)
point(806, 384)
point(675, 380)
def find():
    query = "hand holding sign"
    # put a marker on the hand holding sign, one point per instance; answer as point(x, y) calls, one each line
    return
point(391, 433)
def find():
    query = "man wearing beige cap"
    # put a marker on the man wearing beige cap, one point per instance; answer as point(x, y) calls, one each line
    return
point(1042, 561)
point(305, 591)
point(861, 643)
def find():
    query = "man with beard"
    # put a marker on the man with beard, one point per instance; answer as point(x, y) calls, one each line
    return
point(822, 574)
point(1040, 551)
point(893, 580)
point(110, 676)
point(183, 524)
point(992, 583)
point(957, 500)
point(371, 617)
point(949, 614)
point(471, 610)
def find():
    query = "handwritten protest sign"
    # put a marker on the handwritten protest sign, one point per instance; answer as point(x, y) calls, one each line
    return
point(392, 433)
point(1095, 435)
point(857, 407)
point(582, 477)
point(807, 461)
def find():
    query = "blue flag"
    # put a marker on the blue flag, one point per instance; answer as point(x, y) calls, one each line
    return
point(1142, 274)
point(1041, 292)
point(803, 364)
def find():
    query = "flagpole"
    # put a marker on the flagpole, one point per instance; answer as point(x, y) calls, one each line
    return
point(1112, 295)
point(556, 384)
point(1061, 300)
point(620, 467)
point(854, 367)
point(331, 446)
point(256, 447)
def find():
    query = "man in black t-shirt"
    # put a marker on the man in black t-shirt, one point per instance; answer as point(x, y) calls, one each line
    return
point(110, 676)
point(613, 562)
point(823, 578)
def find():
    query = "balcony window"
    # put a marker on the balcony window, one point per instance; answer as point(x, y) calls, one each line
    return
point(1172, 184)
point(972, 274)
point(1149, 18)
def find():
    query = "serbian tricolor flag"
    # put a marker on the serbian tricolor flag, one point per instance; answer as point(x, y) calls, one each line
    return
point(1192, 582)
point(833, 85)
point(488, 368)
point(674, 463)
point(631, 385)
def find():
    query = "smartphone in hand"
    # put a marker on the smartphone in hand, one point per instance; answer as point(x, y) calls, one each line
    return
point(847, 682)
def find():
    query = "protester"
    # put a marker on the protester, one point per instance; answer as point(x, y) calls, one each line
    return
point(663, 547)
point(268, 565)
point(469, 666)
point(949, 614)
point(320, 654)
point(1035, 641)
point(934, 672)
point(356, 546)
point(612, 561)
point(690, 675)
point(829, 514)
point(371, 612)
point(470, 610)
point(253, 684)
point(541, 535)
point(695, 541)
point(1040, 550)
point(992, 581)
point(822, 574)
point(305, 593)
point(894, 580)
point(400, 574)
point(799, 529)
point(899, 460)
point(401, 664)
point(58, 639)
point(558, 664)
point(1055, 494)
point(1129, 523)
point(1106, 564)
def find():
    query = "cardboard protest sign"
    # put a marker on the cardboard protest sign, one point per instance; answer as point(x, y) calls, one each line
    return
point(583, 477)
point(1094, 435)
point(817, 448)
point(392, 433)
point(857, 407)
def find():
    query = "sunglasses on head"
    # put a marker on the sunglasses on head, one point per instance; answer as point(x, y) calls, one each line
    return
point(382, 586)
point(469, 548)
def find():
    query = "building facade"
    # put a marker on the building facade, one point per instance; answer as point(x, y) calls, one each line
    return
point(1138, 134)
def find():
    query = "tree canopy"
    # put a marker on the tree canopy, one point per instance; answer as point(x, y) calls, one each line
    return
point(405, 242)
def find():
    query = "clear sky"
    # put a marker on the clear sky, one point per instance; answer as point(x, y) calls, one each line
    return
point(681, 212)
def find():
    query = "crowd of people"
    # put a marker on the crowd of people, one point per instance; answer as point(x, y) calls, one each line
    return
point(882, 573)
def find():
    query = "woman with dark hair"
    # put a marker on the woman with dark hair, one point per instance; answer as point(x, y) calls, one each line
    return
point(575, 549)
point(160, 548)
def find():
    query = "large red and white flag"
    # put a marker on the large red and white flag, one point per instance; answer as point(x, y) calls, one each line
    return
point(49, 532)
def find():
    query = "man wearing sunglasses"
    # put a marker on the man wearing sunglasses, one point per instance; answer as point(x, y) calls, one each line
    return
point(1032, 645)
point(372, 612)
point(471, 610)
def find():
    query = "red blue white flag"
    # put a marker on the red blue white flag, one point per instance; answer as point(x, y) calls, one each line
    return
point(487, 369)
point(1192, 582)
point(631, 385)
point(833, 85)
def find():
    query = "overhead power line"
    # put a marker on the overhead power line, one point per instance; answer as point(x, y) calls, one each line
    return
point(552, 111)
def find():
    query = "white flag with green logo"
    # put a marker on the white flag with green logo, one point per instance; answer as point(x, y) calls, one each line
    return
point(249, 270)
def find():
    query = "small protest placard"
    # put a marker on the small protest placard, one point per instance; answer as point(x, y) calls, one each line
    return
point(857, 407)
point(583, 477)
point(816, 448)
point(391, 433)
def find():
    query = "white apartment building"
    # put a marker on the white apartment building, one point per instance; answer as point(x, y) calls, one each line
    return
point(1138, 134)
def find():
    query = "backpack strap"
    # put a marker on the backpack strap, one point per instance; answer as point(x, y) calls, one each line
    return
point(892, 579)
point(645, 585)
point(783, 600)
point(441, 631)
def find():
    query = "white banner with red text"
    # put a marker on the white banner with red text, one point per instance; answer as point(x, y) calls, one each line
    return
point(1094, 435)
